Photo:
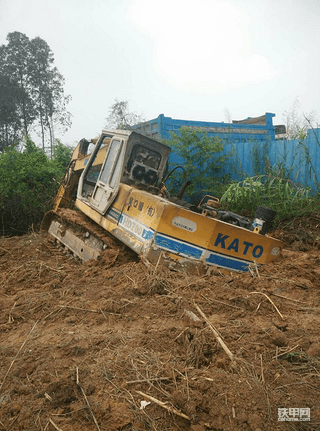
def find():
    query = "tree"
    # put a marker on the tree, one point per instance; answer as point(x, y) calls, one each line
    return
point(48, 89)
point(120, 117)
point(203, 159)
point(15, 61)
point(298, 123)
point(59, 119)
point(28, 64)
point(228, 115)
point(11, 124)
point(40, 76)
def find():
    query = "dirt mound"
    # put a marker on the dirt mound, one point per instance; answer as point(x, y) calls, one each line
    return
point(86, 346)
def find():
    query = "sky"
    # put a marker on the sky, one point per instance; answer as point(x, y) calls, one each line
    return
point(209, 60)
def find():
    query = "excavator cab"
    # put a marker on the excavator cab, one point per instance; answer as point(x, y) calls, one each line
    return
point(121, 157)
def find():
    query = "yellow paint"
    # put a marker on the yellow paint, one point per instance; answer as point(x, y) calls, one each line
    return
point(158, 214)
point(81, 163)
point(144, 207)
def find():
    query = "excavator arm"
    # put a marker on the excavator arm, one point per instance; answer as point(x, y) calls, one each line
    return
point(72, 175)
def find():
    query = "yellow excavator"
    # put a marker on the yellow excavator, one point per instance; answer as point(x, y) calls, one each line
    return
point(119, 188)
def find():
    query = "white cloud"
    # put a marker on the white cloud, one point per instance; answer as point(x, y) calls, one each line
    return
point(204, 43)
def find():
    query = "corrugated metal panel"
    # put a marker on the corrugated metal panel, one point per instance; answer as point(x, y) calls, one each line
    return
point(299, 160)
point(230, 131)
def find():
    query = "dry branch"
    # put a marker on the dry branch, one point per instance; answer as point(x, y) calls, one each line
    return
point(170, 409)
point(152, 379)
point(156, 267)
point(221, 302)
point(54, 425)
point(219, 339)
point(163, 405)
point(284, 353)
point(12, 423)
point(262, 373)
point(7, 251)
point(290, 299)
point(276, 308)
point(86, 400)
point(179, 335)
point(192, 316)
point(79, 308)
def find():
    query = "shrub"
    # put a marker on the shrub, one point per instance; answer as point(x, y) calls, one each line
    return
point(279, 194)
point(28, 182)
point(202, 158)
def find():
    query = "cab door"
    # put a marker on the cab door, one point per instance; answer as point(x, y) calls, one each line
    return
point(107, 185)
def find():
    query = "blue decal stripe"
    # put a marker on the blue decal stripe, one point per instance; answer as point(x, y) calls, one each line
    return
point(113, 214)
point(178, 246)
point(227, 262)
point(147, 233)
point(188, 250)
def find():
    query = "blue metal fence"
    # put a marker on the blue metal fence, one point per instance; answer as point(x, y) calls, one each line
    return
point(253, 147)
point(298, 160)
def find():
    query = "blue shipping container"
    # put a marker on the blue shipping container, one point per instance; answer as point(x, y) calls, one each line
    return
point(257, 129)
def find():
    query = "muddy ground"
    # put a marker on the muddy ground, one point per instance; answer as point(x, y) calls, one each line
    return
point(85, 346)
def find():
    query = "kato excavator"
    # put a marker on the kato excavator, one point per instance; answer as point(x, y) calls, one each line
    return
point(119, 188)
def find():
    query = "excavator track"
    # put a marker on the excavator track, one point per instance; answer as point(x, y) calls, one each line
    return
point(80, 235)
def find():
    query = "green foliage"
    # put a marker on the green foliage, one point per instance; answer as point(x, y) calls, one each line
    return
point(282, 195)
point(62, 155)
point(28, 182)
point(202, 158)
point(30, 146)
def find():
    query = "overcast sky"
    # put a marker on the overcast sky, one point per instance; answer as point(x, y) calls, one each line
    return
point(192, 60)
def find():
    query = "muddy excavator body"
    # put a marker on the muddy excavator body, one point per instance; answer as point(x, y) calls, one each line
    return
point(120, 186)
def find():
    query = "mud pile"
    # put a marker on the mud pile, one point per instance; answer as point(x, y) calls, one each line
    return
point(88, 346)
